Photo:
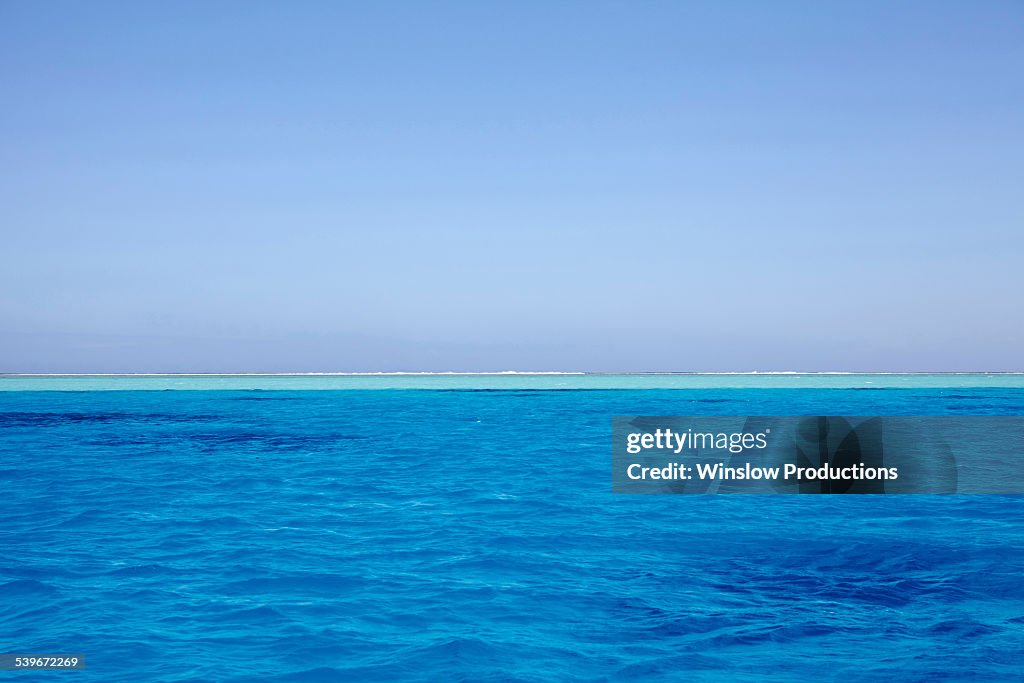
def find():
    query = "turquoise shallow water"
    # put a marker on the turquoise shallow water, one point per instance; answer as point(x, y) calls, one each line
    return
point(471, 534)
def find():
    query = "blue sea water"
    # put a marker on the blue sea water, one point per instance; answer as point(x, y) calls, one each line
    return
point(471, 534)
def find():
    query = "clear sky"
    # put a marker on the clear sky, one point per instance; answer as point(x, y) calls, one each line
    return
point(522, 185)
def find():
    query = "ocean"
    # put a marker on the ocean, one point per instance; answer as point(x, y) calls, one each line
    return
point(425, 528)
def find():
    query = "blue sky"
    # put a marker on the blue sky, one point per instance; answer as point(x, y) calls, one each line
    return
point(530, 185)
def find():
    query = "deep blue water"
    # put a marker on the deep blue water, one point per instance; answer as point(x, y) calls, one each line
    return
point(473, 535)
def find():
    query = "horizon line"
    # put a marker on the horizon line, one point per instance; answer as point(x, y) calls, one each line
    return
point(504, 373)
